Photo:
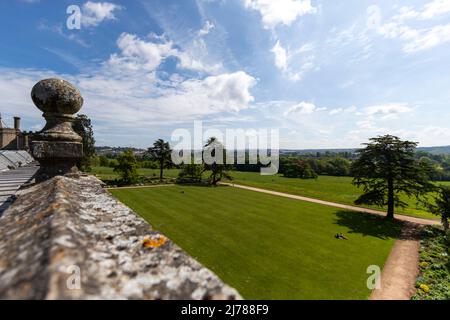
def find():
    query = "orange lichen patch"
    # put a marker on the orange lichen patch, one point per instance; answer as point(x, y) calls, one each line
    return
point(47, 212)
point(154, 242)
point(3, 264)
point(41, 216)
point(21, 221)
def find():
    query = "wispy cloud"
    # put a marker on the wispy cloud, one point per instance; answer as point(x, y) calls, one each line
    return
point(303, 108)
point(400, 26)
point(148, 54)
point(388, 111)
point(280, 55)
point(294, 64)
point(206, 28)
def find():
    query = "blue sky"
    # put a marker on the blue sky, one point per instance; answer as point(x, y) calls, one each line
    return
point(327, 74)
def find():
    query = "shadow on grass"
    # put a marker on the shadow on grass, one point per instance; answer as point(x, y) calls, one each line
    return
point(368, 225)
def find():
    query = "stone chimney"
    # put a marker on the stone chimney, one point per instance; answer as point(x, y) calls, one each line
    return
point(17, 123)
point(57, 147)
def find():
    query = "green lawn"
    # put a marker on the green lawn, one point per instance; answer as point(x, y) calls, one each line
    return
point(335, 189)
point(269, 247)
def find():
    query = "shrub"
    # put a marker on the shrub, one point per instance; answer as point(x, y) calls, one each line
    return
point(300, 169)
point(127, 167)
point(441, 206)
point(103, 161)
point(190, 173)
point(113, 163)
point(149, 164)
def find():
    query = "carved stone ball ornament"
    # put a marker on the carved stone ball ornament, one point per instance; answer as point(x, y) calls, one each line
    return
point(57, 147)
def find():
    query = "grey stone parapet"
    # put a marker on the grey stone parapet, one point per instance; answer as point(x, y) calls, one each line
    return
point(68, 238)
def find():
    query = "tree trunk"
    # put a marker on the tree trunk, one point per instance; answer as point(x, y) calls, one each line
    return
point(161, 168)
point(213, 169)
point(390, 213)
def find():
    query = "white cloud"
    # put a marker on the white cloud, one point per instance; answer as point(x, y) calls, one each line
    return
point(432, 135)
point(190, 63)
point(206, 28)
point(275, 12)
point(306, 66)
point(337, 111)
point(280, 56)
point(414, 39)
point(225, 92)
point(303, 108)
point(435, 8)
point(427, 39)
point(388, 111)
point(431, 10)
point(94, 13)
point(139, 54)
point(306, 48)
point(284, 60)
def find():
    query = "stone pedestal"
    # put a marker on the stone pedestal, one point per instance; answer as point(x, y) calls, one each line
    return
point(57, 147)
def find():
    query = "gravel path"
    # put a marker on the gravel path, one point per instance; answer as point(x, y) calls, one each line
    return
point(401, 269)
point(333, 204)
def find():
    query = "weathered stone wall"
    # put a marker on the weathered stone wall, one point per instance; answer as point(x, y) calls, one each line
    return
point(70, 225)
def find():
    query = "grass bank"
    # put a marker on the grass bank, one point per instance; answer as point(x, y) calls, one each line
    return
point(328, 188)
point(334, 189)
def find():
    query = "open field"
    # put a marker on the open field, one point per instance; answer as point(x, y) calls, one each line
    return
point(269, 247)
point(335, 189)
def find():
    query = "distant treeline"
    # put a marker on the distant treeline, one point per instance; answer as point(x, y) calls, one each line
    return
point(111, 162)
point(306, 166)
point(309, 166)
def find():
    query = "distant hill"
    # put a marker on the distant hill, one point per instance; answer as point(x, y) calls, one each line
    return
point(314, 151)
point(432, 150)
point(436, 150)
point(114, 151)
point(108, 151)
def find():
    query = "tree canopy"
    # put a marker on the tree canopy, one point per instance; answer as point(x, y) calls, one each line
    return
point(219, 169)
point(127, 167)
point(299, 169)
point(386, 168)
point(441, 205)
point(83, 126)
point(161, 153)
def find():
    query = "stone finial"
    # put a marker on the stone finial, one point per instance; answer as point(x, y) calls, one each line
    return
point(57, 147)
